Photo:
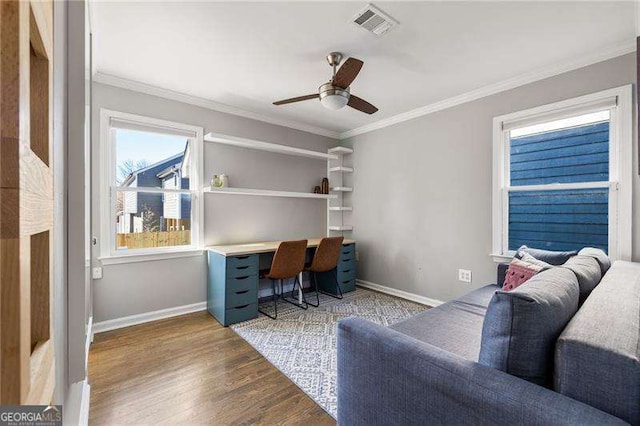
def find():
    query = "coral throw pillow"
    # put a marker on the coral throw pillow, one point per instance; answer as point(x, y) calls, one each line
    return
point(519, 272)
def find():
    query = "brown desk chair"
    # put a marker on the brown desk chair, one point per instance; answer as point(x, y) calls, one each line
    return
point(287, 263)
point(326, 259)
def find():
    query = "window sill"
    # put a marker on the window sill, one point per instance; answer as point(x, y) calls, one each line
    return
point(148, 257)
point(501, 258)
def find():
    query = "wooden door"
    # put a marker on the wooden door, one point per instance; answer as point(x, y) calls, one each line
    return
point(26, 202)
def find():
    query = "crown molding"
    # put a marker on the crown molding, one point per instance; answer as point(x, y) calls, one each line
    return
point(136, 86)
point(492, 89)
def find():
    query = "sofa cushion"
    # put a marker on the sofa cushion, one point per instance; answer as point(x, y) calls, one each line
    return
point(587, 271)
point(521, 326)
point(455, 326)
point(599, 255)
point(597, 355)
point(521, 268)
point(519, 272)
point(552, 257)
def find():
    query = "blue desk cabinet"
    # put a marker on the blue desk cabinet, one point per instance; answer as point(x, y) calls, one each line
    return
point(232, 287)
point(346, 272)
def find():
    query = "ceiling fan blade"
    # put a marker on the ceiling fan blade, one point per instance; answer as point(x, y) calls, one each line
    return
point(361, 105)
point(298, 99)
point(347, 73)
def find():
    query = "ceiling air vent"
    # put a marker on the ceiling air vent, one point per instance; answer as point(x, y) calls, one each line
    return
point(374, 20)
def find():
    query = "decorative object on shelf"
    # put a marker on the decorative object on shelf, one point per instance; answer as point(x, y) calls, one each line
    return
point(220, 181)
point(325, 186)
point(317, 190)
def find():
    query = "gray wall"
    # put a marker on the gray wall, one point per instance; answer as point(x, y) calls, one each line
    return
point(60, 201)
point(134, 288)
point(422, 188)
point(78, 181)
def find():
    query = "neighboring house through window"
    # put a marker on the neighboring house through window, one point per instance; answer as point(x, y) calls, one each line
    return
point(562, 176)
point(150, 185)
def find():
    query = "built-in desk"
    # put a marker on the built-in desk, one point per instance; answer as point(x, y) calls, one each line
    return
point(233, 281)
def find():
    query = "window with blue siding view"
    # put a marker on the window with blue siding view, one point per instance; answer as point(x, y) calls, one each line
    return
point(561, 152)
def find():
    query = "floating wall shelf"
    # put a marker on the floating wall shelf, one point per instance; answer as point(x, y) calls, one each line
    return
point(340, 150)
point(339, 217)
point(267, 146)
point(268, 193)
point(341, 228)
point(341, 169)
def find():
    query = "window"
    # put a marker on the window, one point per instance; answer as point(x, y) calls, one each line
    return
point(562, 176)
point(151, 185)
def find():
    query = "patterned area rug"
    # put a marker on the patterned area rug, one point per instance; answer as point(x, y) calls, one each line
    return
point(302, 344)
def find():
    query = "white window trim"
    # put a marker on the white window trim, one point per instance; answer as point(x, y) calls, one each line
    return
point(620, 166)
point(108, 254)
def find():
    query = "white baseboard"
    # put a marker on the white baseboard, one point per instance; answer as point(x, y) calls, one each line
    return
point(84, 405)
point(76, 405)
point(88, 340)
point(116, 323)
point(102, 326)
point(399, 293)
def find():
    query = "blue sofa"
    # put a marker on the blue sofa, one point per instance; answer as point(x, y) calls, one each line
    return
point(426, 369)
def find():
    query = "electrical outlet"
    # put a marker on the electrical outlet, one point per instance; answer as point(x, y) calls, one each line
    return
point(464, 275)
point(96, 273)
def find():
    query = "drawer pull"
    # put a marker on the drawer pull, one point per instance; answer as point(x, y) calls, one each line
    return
point(346, 271)
point(346, 282)
point(241, 307)
point(242, 267)
point(242, 257)
point(241, 278)
point(242, 292)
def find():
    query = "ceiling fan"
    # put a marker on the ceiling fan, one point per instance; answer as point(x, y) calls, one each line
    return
point(335, 94)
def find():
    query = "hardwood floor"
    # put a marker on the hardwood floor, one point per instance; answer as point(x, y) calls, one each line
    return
point(190, 370)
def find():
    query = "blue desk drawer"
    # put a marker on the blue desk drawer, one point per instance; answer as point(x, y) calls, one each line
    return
point(241, 283)
point(241, 313)
point(349, 249)
point(347, 264)
point(346, 274)
point(240, 262)
point(242, 271)
point(241, 298)
point(346, 258)
point(348, 285)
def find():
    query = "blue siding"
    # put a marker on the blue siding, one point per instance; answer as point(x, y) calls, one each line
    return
point(149, 201)
point(559, 220)
point(185, 205)
point(579, 154)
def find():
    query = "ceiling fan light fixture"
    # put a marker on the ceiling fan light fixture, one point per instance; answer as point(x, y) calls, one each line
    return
point(334, 102)
point(332, 97)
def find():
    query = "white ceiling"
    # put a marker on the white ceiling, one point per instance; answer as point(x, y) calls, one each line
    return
point(248, 55)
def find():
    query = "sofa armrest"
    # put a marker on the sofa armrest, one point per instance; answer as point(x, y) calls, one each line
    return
point(502, 273)
point(388, 378)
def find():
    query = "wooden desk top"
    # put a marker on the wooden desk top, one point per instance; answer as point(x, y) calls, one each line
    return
point(260, 247)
